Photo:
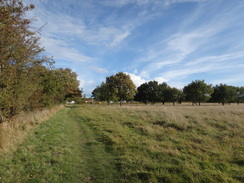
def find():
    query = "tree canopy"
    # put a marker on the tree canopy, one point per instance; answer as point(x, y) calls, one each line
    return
point(224, 94)
point(118, 87)
point(148, 92)
point(198, 91)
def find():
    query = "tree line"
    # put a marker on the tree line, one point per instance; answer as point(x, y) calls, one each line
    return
point(28, 79)
point(119, 87)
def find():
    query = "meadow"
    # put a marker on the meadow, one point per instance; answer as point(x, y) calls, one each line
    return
point(132, 143)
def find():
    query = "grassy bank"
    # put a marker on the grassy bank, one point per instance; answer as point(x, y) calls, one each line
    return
point(15, 129)
point(99, 143)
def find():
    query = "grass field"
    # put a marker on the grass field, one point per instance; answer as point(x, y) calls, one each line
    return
point(99, 143)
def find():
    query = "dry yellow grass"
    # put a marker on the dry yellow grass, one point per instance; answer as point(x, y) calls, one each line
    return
point(14, 130)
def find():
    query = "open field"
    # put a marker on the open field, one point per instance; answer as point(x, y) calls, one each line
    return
point(100, 143)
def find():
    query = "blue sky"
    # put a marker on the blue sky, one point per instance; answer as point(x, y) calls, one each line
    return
point(173, 41)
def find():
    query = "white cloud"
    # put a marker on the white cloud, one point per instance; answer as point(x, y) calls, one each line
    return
point(135, 71)
point(137, 80)
point(87, 84)
point(160, 79)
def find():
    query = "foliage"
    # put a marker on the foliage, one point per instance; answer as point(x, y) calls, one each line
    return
point(225, 94)
point(117, 87)
point(172, 95)
point(25, 83)
point(148, 92)
point(162, 92)
point(198, 91)
point(154, 92)
point(240, 94)
point(142, 94)
point(103, 93)
point(18, 48)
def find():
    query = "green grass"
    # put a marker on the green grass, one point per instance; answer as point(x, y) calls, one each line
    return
point(62, 149)
point(98, 143)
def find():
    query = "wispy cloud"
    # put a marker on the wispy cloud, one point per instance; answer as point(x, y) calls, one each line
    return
point(217, 59)
point(120, 3)
point(99, 70)
point(181, 53)
point(61, 50)
point(164, 40)
point(239, 78)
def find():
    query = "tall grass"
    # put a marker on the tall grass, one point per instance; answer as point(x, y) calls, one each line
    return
point(172, 143)
point(15, 129)
point(136, 143)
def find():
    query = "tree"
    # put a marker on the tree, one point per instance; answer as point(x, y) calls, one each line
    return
point(121, 86)
point(148, 92)
point(172, 95)
point(181, 96)
point(240, 94)
point(163, 87)
point(198, 91)
point(25, 80)
point(154, 93)
point(19, 55)
point(142, 94)
point(59, 85)
point(117, 87)
point(71, 84)
point(224, 94)
point(103, 93)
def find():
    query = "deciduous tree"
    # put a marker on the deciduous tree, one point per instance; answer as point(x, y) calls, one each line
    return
point(148, 92)
point(121, 86)
point(198, 91)
point(224, 94)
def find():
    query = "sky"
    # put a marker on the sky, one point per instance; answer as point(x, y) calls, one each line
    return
point(173, 41)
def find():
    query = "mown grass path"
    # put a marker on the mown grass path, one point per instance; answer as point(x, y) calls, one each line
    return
point(62, 149)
